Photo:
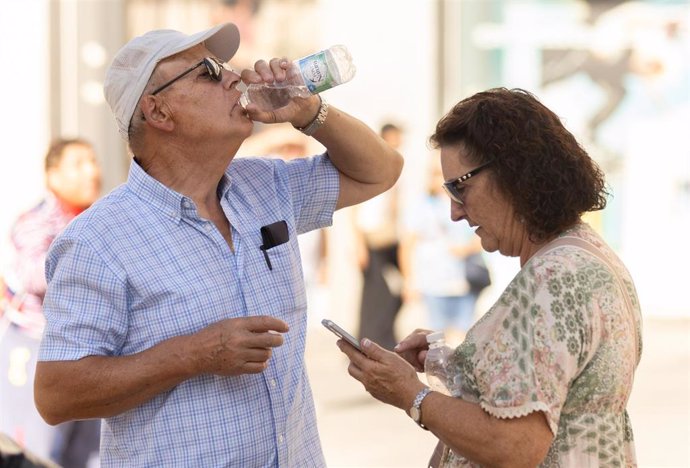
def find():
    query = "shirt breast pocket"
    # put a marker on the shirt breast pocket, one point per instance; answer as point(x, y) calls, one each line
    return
point(282, 282)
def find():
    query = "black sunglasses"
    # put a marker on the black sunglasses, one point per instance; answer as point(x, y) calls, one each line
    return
point(213, 66)
point(455, 188)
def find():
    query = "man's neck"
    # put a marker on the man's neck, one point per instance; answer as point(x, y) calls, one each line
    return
point(193, 174)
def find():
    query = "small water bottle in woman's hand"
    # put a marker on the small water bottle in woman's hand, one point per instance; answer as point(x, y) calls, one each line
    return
point(436, 366)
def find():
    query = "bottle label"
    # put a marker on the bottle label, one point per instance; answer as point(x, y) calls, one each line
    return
point(317, 76)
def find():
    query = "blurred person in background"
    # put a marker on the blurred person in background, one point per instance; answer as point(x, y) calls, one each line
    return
point(73, 182)
point(176, 305)
point(545, 376)
point(376, 233)
point(433, 250)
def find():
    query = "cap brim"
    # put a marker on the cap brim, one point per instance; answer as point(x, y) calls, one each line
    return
point(225, 42)
point(222, 40)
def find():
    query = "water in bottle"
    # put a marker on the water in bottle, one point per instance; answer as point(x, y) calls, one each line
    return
point(436, 362)
point(306, 76)
point(438, 374)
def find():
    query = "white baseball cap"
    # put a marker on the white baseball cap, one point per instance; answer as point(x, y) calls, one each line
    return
point(127, 75)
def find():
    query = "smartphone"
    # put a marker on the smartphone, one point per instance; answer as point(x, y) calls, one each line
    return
point(332, 326)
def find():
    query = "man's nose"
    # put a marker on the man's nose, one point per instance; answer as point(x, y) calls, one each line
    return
point(230, 78)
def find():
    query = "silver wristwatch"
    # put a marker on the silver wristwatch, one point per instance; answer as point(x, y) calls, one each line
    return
point(416, 410)
point(318, 121)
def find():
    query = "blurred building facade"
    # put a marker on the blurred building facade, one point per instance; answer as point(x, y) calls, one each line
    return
point(616, 71)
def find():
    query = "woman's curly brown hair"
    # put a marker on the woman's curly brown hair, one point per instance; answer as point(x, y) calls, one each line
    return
point(537, 163)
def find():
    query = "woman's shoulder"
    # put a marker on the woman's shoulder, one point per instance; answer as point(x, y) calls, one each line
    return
point(575, 248)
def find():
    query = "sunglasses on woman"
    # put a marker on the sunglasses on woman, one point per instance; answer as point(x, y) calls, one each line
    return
point(456, 188)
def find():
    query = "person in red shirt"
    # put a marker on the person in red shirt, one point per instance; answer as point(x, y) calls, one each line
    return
point(73, 182)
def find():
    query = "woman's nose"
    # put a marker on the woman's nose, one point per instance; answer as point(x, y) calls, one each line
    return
point(457, 211)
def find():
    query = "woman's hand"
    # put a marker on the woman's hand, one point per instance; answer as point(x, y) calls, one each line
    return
point(384, 374)
point(414, 348)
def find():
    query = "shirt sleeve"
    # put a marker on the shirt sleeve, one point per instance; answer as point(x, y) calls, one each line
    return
point(314, 184)
point(539, 346)
point(85, 304)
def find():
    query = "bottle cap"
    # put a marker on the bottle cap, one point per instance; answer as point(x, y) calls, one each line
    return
point(435, 336)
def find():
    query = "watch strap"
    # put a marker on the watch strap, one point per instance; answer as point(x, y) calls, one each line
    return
point(417, 406)
point(318, 121)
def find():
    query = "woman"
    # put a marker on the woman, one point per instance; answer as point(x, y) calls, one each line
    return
point(547, 372)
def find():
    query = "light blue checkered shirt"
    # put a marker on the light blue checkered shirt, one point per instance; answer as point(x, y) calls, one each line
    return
point(140, 266)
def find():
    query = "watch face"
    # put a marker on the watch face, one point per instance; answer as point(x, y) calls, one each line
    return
point(415, 414)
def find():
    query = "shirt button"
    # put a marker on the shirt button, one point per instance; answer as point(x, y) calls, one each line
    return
point(273, 383)
point(280, 438)
point(207, 226)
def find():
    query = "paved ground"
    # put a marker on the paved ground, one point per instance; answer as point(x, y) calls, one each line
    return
point(359, 432)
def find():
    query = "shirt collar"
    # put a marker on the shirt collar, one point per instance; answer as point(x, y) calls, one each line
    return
point(154, 193)
point(163, 198)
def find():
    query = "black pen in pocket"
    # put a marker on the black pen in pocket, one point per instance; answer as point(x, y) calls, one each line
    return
point(273, 235)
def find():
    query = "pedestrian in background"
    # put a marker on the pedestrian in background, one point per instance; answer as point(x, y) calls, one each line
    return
point(176, 305)
point(73, 183)
point(433, 253)
point(545, 376)
point(377, 237)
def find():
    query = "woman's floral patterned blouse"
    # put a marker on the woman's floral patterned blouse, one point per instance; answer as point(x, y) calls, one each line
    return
point(562, 339)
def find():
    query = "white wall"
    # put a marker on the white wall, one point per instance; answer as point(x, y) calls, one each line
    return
point(24, 122)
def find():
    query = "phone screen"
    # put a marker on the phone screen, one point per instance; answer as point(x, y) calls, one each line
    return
point(332, 326)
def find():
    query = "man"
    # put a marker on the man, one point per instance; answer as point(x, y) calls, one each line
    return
point(176, 307)
point(73, 183)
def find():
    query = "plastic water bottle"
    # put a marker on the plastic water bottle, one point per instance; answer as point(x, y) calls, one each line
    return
point(306, 76)
point(436, 365)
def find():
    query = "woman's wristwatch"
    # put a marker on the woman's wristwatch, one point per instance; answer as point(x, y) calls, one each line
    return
point(416, 411)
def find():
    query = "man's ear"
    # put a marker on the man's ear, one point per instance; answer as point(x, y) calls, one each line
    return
point(156, 113)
